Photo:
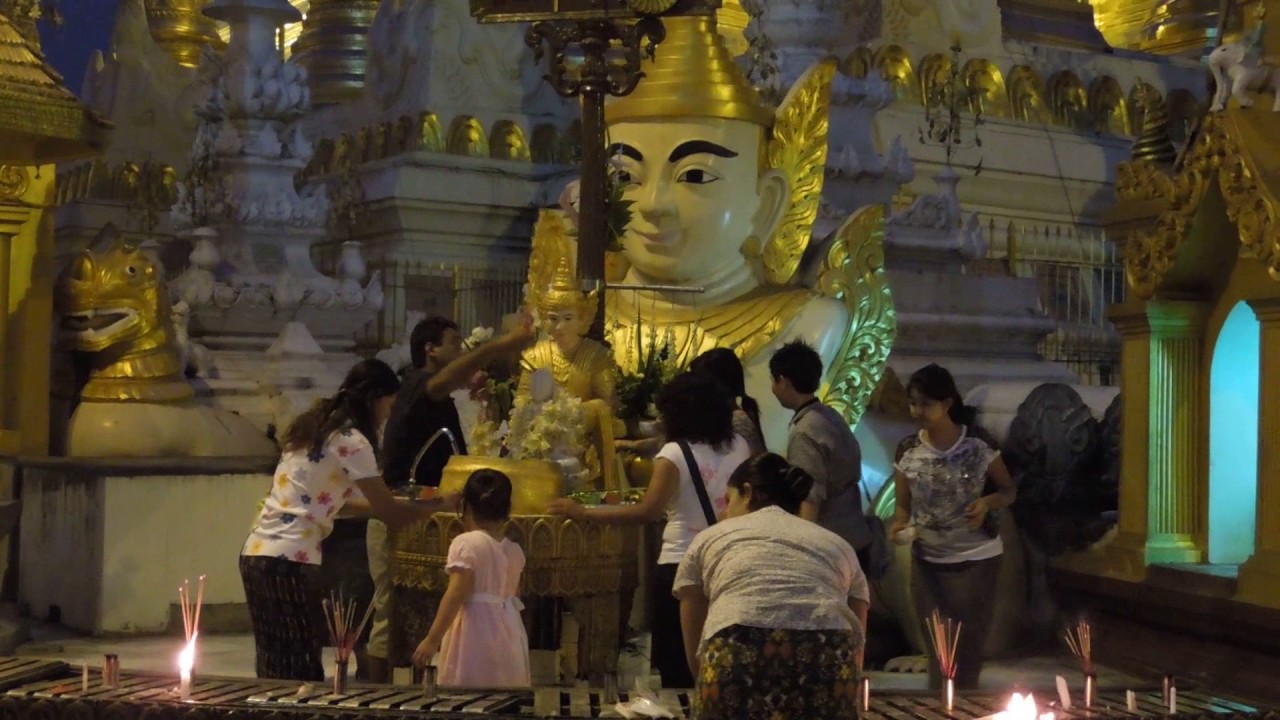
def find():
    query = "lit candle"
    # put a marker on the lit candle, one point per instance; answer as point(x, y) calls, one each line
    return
point(186, 661)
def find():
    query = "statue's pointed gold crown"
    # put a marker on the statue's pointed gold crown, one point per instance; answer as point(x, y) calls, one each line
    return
point(564, 291)
point(692, 75)
point(563, 281)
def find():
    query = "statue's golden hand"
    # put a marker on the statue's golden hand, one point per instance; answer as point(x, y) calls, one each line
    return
point(564, 507)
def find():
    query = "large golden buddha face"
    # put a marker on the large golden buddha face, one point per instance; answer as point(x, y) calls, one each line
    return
point(701, 201)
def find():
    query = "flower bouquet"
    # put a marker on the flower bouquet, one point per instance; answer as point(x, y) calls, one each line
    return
point(493, 390)
point(552, 426)
point(638, 389)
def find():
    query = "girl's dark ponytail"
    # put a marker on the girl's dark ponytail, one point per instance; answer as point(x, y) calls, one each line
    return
point(773, 481)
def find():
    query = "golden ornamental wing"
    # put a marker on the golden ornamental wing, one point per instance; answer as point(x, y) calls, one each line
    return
point(853, 273)
point(550, 244)
point(798, 149)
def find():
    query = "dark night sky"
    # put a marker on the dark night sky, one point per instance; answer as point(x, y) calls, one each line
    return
point(86, 27)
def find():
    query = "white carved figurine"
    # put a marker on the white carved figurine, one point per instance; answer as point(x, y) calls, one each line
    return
point(1238, 69)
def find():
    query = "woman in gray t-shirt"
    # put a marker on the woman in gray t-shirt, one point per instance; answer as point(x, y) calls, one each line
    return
point(772, 606)
point(941, 482)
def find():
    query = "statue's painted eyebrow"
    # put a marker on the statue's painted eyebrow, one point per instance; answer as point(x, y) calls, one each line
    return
point(699, 147)
point(626, 151)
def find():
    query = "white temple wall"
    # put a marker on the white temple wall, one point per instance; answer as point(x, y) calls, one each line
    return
point(110, 545)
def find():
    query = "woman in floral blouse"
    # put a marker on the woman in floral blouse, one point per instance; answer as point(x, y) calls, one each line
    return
point(329, 466)
point(949, 482)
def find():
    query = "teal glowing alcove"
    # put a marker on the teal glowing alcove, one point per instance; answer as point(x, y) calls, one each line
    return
point(1233, 438)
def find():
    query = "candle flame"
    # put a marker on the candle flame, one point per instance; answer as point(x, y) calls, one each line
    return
point(187, 658)
point(1023, 707)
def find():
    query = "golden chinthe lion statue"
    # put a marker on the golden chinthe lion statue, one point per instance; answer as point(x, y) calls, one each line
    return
point(137, 403)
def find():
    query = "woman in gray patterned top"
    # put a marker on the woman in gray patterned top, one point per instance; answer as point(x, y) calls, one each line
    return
point(772, 606)
point(949, 482)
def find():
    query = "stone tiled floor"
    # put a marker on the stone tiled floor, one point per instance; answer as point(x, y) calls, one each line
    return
point(232, 655)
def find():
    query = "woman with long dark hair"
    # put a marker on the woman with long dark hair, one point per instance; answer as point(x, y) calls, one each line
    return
point(772, 606)
point(328, 465)
point(690, 475)
point(723, 365)
point(948, 484)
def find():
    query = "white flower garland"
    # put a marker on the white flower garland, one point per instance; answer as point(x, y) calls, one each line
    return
point(554, 430)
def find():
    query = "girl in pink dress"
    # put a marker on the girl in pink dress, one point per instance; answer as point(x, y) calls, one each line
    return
point(478, 631)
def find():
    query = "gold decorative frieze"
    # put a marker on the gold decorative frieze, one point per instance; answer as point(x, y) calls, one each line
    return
point(894, 64)
point(1026, 95)
point(858, 63)
point(1108, 107)
point(1100, 105)
point(1069, 101)
point(987, 93)
point(467, 137)
point(506, 140)
point(147, 183)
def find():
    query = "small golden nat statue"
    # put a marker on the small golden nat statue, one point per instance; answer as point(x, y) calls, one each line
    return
point(580, 366)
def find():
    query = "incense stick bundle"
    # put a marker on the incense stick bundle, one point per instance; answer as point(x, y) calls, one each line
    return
point(340, 615)
point(1080, 640)
point(944, 635)
point(191, 611)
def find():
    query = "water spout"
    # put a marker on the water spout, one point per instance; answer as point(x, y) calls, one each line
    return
point(453, 443)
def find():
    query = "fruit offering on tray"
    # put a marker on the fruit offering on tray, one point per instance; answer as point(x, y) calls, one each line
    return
point(612, 497)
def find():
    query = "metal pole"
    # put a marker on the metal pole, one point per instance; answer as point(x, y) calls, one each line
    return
point(594, 219)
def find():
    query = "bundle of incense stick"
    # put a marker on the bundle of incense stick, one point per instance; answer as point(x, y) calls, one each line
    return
point(944, 634)
point(1080, 640)
point(341, 614)
point(190, 612)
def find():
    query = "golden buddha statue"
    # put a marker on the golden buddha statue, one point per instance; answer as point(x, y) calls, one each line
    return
point(584, 368)
point(725, 192)
point(580, 366)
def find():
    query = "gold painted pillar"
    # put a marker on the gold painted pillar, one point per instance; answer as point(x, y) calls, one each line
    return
point(1126, 554)
point(26, 308)
point(1176, 483)
point(1259, 582)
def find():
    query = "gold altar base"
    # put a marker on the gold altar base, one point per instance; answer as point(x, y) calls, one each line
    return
point(535, 483)
point(592, 567)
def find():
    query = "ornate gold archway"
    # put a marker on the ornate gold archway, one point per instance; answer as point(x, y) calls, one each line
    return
point(1196, 238)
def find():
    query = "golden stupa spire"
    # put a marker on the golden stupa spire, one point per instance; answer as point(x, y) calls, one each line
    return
point(692, 75)
point(731, 23)
point(181, 29)
point(1153, 142)
point(334, 48)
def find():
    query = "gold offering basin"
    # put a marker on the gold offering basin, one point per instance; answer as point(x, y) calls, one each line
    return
point(591, 567)
point(534, 483)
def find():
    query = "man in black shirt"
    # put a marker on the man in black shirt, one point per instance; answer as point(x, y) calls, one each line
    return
point(423, 406)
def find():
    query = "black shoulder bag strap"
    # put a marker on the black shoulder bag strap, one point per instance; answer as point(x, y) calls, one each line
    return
point(695, 475)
